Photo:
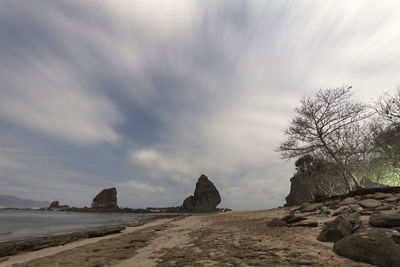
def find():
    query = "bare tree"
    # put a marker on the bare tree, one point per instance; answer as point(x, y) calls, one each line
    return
point(388, 107)
point(324, 126)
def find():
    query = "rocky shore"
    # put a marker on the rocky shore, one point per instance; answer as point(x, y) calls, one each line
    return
point(32, 244)
point(364, 225)
point(357, 229)
point(237, 238)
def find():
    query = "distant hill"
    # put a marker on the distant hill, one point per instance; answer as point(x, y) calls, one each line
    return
point(15, 202)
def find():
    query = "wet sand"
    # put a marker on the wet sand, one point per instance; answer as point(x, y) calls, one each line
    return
point(238, 238)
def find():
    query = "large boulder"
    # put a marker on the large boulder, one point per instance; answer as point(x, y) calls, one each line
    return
point(206, 197)
point(373, 247)
point(335, 230)
point(106, 200)
point(369, 203)
point(385, 220)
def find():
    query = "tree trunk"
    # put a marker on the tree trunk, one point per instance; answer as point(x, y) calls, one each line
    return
point(358, 185)
point(348, 184)
point(338, 161)
point(378, 178)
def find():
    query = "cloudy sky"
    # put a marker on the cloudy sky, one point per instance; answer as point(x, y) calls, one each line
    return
point(147, 95)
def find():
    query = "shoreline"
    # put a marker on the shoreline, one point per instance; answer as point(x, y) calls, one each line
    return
point(14, 247)
point(237, 238)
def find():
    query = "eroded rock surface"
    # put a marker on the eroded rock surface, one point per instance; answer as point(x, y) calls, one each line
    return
point(206, 197)
point(106, 200)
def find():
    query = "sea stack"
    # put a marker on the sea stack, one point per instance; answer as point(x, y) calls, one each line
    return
point(206, 197)
point(106, 200)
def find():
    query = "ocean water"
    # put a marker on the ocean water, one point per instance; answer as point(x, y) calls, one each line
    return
point(23, 224)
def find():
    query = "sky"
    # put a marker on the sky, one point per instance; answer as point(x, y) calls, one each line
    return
point(148, 95)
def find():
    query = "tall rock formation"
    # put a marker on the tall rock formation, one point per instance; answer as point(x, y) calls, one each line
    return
point(106, 200)
point(206, 197)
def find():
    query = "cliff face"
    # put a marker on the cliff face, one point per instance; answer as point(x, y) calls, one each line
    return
point(206, 197)
point(305, 186)
point(106, 200)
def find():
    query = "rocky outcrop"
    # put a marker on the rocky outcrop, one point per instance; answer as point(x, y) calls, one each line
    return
point(206, 197)
point(304, 187)
point(313, 178)
point(366, 228)
point(317, 179)
point(106, 200)
point(55, 205)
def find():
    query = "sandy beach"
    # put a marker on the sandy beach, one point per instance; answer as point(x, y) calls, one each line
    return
point(238, 238)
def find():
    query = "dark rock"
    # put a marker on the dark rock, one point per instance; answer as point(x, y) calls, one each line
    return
point(381, 208)
point(373, 247)
point(367, 212)
point(304, 224)
point(343, 210)
point(334, 206)
point(106, 200)
point(369, 203)
point(335, 230)
point(385, 220)
point(54, 204)
point(188, 203)
point(276, 222)
point(293, 219)
point(396, 238)
point(380, 195)
point(15, 247)
point(104, 231)
point(206, 197)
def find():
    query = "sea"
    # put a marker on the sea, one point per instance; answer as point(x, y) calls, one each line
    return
point(25, 224)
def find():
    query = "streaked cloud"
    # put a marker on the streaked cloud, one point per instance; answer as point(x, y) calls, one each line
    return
point(147, 95)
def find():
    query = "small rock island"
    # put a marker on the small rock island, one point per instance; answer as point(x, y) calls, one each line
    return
point(106, 200)
point(205, 199)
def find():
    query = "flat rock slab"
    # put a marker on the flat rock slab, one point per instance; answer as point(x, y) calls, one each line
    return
point(373, 247)
point(313, 207)
point(348, 201)
point(392, 199)
point(385, 220)
point(276, 222)
point(380, 195)
point(370, 203)
point(296, 219)
point(304, 224)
